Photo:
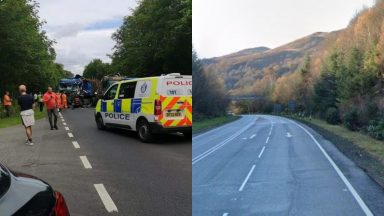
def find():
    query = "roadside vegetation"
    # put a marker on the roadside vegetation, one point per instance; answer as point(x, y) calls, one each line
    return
point(26, 53)
point(154, 40)
point(209, 123)
point(210, 103)
point(14, 119)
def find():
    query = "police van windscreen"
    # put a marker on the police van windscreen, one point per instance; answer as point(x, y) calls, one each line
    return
point(176, 86)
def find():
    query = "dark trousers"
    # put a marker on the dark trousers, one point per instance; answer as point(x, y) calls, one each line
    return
point(41, 106)
point(52, 112)
point(7, 111)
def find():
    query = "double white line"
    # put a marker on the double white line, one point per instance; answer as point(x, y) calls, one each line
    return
point(218, 146)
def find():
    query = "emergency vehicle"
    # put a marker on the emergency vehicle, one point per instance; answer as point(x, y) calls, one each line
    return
point(149, 106)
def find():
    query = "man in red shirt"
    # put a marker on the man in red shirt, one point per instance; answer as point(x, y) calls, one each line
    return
point(50, 100)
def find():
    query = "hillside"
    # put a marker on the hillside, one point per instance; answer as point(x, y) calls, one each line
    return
point(239, 71)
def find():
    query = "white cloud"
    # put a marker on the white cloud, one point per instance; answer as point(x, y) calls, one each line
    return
point(67, 22)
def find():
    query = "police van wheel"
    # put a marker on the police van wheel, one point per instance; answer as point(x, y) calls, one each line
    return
point(100, 122)
point(187, 135)
point(144, 131)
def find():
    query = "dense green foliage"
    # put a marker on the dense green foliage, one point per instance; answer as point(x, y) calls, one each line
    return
point(156, 39)
point(96, 69)
point(332, 116)
point(208, 94)
point(26, 54)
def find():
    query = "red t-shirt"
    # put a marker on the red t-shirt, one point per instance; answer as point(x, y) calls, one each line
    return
point(50, 100)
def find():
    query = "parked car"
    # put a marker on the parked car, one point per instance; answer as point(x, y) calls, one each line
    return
point(26, 195)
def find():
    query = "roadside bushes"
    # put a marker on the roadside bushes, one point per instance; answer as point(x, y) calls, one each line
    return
point(351, 120)
point(376, 129)
point(332, 116)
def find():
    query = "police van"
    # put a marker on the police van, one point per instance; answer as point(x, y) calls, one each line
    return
point(149, 106)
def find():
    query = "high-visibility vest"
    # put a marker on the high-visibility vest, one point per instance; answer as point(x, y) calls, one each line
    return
point(7, 101)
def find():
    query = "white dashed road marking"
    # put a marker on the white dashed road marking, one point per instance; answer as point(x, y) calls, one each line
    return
point(252, 136)
point(246, 178)
point(70, 135)
point(104, 196)
point(85, 161)
point(64, 123)
point(225, 214)
point(266, 141)
point(261, 153)
point(67, 128)
point(76, 144)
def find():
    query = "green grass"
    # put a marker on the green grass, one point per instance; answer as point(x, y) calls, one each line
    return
point(365, 142)
point(209, 123)
point(15, 118)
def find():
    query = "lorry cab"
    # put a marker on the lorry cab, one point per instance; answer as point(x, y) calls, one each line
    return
point(149, 106)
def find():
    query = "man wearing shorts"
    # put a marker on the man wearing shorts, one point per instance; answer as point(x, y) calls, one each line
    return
point(27, 104)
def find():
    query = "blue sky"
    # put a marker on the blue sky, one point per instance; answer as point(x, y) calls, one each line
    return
point(225, 26)
point(83, 28)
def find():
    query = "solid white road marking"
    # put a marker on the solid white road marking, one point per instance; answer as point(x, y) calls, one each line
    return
point(253, 135)
point(246, 178)
point(66, 128)
point(225, 214)
point(105, 198)
point(70, 135)
point(354, 193)
point(289, 135)
point(266, 141)
point(85, 161)
point(75, 144)
point(218, 146)
point(261, 153)
point(64, 123)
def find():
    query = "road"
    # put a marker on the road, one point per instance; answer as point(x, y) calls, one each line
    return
point(268, 165)
point(105, 172)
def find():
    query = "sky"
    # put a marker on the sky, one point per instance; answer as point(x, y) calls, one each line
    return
point(83, 28)
point(225, 26)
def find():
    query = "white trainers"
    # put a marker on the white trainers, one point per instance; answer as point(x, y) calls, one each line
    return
point(27, 142)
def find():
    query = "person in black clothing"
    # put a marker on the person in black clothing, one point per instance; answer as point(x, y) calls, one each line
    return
point(27, 105)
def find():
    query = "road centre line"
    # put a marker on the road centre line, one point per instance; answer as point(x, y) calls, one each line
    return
point(105, 198)
point(225, 214)
point(70, 135)
point(247, 178)
point(62, 120)
point(67, 128)
point(218, 146)
point(253, 135)
point(85, 162)
point(64, 123)
point(266, 141)
point(354, 193)
point(261, 152)
point(75, 144)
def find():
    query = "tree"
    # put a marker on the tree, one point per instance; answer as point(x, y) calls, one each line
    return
point(26, 53)
point(156, 39)
point(325, 96)
point(96, 69)
point(208, 94)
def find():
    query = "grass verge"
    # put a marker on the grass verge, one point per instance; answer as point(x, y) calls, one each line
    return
point(209, 123)
point(365, 151)
point(15, 119)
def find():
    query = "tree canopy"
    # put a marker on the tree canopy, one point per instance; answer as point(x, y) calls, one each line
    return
point(156, 39)
point(96, 69)
point(26, 54)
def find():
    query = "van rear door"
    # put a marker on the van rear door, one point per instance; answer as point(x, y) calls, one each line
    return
point(176, 98)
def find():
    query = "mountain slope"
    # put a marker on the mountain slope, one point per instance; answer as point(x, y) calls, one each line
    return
point(239, 71)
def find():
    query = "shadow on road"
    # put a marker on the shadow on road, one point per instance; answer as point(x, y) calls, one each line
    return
point(160, 139)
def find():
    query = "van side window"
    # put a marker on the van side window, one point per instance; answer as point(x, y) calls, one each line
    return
point(111, 93)
point(127, 90)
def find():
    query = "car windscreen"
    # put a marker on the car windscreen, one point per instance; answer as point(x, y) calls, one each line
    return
point(5, 180)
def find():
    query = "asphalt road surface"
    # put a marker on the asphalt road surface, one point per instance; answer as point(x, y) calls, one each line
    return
point(268, 165)
point(105, 172)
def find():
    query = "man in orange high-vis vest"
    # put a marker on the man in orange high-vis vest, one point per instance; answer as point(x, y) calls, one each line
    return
point(64, 100)
point(7, 101)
